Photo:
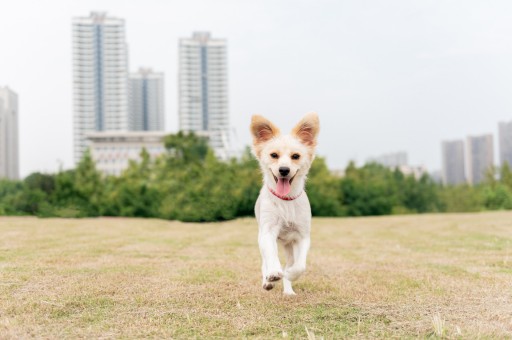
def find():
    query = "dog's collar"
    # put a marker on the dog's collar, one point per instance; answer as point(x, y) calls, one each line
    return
point(285, 198)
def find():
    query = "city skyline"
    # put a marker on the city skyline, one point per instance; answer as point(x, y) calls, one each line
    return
point(372, 94)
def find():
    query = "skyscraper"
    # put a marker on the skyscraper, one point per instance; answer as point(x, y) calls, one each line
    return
point(100, 77)
point(203, 89)
point(9, 167)
point(480, 157)
point(505, 142)
point(146, 101)
point(453, 162)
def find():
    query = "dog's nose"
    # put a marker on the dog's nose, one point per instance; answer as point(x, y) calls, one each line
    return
point(284, 171)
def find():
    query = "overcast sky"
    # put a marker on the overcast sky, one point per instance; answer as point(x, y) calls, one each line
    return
point(384, 76)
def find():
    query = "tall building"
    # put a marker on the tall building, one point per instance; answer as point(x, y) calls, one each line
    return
point(146, 101)
point(100, 77)
point(203, 89)
point(505, 142)
point(454, 170)
point(9, 165)
point(480, 157)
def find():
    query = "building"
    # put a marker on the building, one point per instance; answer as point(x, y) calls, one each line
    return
point(416, 171)
point(100, 77)
point(9, 162)
point(146, 100)
point(391, 160)
point(454, 169)
point(112, 151)
point(480, 157)
point(203, 89)
point(505, 142)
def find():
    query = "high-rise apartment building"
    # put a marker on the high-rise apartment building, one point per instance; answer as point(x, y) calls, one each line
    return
point(454, 170)
point(203, 89)
point(505, 142)
point(146, 98)
point(480, 157)
point(100, 77)
point(9, 166)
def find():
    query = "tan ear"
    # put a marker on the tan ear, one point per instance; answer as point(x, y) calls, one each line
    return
point(307, 129)
point(262, 129)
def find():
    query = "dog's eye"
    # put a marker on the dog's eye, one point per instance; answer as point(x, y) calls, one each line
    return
point(274, 155)
point(295, 156)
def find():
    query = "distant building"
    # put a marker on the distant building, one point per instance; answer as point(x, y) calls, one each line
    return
point(505, 142)
point(112, 151)
point(416, 171)
point(398, 161)
point(391, 160)
point(147, 101)
point(100, 77)
point(454, 169)
point(203, 89)
point(9, 162)
point(480, 157)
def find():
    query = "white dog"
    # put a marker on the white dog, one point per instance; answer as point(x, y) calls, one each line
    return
point(282, 209)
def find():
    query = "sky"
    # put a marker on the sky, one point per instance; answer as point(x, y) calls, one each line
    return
point(384, 76)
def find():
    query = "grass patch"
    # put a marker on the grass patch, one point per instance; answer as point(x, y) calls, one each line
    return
point(426, 276)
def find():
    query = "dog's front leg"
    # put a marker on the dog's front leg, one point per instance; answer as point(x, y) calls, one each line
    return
point(300, 253)
point(271, 267)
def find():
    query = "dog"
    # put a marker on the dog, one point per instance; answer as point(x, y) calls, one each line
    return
point(282, 209)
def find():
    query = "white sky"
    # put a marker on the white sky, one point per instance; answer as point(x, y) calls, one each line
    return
point(384, 76)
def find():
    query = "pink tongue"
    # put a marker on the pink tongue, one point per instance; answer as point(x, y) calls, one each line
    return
point(283, 186)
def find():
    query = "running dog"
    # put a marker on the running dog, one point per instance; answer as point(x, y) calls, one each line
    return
point(282, 209)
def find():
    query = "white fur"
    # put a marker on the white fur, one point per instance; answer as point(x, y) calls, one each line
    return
point(282, 221)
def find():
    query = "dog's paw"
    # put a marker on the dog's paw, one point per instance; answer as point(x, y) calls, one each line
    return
point(268, 285)
point(274, 276)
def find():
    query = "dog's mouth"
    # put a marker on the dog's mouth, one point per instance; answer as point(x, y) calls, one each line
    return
point(284, 183)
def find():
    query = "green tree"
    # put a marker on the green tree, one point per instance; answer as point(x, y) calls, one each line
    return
point(323, 190)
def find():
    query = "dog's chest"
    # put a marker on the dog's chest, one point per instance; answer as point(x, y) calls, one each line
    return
point(289, 232)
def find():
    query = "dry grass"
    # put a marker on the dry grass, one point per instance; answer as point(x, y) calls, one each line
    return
point(406, 276)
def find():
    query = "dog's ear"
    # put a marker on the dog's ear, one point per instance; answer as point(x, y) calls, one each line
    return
point(262, 129)
point(307, 129)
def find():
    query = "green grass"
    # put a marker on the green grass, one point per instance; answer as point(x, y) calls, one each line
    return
point(400, 276)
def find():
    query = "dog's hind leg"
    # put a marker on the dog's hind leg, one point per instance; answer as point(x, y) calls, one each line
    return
point(300, 253)
point(287, 284)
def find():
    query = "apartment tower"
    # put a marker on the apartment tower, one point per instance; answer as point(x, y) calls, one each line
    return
point(9, 165)
point(100, 77)
point(146, 100)
point(480, 157)
point(203, 89)
point(454, 170)
point(505, 142)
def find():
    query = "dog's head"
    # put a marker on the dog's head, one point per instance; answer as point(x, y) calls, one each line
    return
point(285, 159)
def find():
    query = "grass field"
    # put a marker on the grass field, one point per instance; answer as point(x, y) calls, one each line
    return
point(403, 276)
